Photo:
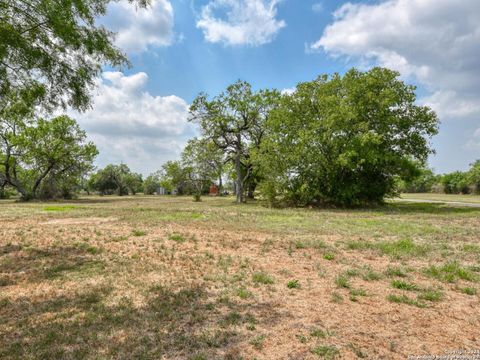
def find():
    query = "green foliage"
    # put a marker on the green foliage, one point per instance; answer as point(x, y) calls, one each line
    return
point(42, 158)
point(57, 46)
point(205, 164)
point(117, 179)
point(455, 183)
point(151, 183)
point(174, 177)
point(345, 139)
point(234, 122)
point(473, 176)
point(421, 181)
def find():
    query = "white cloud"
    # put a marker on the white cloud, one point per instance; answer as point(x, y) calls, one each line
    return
point(139, 28)
point(251, 22)
point(129, 124)
point(434, 42)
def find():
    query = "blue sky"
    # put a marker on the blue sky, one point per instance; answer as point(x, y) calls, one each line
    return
point(193, 64)
point(179, 48)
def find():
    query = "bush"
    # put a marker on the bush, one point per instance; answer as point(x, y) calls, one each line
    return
point(455, 183)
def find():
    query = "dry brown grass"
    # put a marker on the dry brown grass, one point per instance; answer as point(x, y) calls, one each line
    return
point(167, 278)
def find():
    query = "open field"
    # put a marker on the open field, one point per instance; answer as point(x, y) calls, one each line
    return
point(471, 199)
point(167, 278)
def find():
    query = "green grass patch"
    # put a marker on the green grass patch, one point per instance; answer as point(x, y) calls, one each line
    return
point(262, 278)
point(244, 293)
point(179, 238)
point(404, 299)
point(399, 249)
point(329, 256)
point(403, 285)
point(396, 271)
point(342, 282)
point(451, 272)
point(326, 352)
point(137, 232)
point(293, 284)
point(258, 341)
point(433, 295)
point(469, 291)
point(404, 248)
point(371, 275)
point(320, 333)
point(59, 208)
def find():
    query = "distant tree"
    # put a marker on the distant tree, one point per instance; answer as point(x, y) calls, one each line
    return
point(233, 121)
point(207, 157)
point(203, 163)
point(34, 151)
point(421, 180)
point(345, 139)
point(117, 179)
point(151, 183)
point(455, 183)
point(57, 46)
point(474, 176)
point(174, 177)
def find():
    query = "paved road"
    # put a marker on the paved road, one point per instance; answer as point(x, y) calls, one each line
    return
point(451, 203)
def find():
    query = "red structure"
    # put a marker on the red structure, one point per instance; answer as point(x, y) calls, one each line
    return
point(213, 190)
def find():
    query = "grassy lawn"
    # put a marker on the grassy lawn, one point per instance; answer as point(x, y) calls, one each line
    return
point(167, 278)
point(475, 199)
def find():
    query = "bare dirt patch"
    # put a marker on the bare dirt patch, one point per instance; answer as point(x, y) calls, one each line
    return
point(80, 221)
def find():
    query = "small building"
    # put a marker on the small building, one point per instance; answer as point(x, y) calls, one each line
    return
point(213, 190)
point(161, 191)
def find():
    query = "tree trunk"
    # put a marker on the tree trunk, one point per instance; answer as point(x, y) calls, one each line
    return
point(238, 169)
point(220, 185)
point(251, 191)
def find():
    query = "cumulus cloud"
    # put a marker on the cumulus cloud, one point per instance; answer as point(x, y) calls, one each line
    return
point(129, 124)
point(434, 42)
point(139, 28)
point(250, 22)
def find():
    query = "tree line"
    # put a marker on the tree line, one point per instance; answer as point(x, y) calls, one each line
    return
point(345, 140)
point(341, 139)
point(456, 182)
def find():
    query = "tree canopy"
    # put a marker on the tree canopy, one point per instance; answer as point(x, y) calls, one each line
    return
point(234, 122)
point(32, 152)
point(345, 139)
point(55, 45)
point(117, 179)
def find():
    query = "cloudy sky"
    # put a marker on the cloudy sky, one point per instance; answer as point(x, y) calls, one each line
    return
point(179, 48)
